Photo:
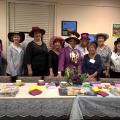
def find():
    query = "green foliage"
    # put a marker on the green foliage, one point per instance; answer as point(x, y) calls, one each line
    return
point(67, 75)
point(83, 77)
point(71, 75)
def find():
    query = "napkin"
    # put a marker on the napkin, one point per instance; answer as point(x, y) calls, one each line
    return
point(35, 92)
point(102, 93)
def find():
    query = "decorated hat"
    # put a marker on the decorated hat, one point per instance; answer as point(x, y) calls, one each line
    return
point(84, 36)
point(57, 38)
point(73, 35)
point(117, 41)
point(36, 29)
point(106, 36)
point(21, 34)
point(54, 39)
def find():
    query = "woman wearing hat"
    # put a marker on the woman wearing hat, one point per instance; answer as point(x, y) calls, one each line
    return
point(83, 44)
point(115, 60)
point(15, 55)
point(54, 55)
point(70, 56)
point(92, 63)
point(36, 56)
point(105, 52)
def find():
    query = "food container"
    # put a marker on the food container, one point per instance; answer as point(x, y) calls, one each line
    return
point(62, 91)
point(8, 91)
point(41, 82)
point(63, 84)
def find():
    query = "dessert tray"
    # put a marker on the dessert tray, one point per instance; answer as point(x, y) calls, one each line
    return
point(8, 90)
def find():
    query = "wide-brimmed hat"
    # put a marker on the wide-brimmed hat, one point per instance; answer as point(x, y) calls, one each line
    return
point(117, 41)
point(70, 33)
point(106, 36)
point(57, 39)
point(54, 39)
point(84, 36)
point(21, 34)
point(73, 35)
point(36, 29)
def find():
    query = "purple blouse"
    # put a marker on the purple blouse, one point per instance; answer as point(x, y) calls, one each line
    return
point(65, 59)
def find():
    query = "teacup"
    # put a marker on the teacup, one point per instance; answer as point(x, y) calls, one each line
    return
point(18, 82)
point(41, 82)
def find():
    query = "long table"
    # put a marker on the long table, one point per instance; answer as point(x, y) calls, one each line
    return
point(50, 103)
point(92, 106)
point(47, 104)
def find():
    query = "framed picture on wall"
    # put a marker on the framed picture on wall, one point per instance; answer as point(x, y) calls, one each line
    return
point(116, 30)
point(68, 25)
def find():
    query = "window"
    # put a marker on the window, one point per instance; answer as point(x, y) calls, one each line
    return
point(23, 16)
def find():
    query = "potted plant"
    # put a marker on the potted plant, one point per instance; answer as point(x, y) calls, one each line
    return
point(73, 76)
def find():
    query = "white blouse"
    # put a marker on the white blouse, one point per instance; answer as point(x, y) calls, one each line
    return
point(115, 60)
point(14, 60)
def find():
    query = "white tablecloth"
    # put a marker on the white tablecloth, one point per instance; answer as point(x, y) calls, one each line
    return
point(49, 103)
point(95, 106)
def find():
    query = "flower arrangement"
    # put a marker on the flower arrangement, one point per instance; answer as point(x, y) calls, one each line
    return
point(72, 76)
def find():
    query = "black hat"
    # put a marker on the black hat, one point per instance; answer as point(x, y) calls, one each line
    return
point(21, 34)
point(117, 41)
point(73, 35)
point(36, 29)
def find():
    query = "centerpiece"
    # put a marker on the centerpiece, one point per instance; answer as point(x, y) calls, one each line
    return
point(73, 76)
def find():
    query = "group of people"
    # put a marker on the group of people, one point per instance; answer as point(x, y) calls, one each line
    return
point(93, 58)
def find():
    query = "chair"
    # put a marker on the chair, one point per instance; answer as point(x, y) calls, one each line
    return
point(32, 79)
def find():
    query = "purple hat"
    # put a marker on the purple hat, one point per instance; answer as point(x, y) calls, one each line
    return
point(84, 36)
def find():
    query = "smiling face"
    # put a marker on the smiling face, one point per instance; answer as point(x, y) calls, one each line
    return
point(84, 43)
point(57, 45)
point(16, 38)
point(100, 41)
point(72, 43)
point(92, 48)
point(37, 36)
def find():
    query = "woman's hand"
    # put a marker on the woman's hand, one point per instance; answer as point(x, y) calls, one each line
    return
point(51, 73)
point(59, 76)
point(92, 77)
point(30, 72)
point(107, 75)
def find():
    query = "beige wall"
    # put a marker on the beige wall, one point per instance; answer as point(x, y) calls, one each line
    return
point(3, 24)
point(92, 16)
